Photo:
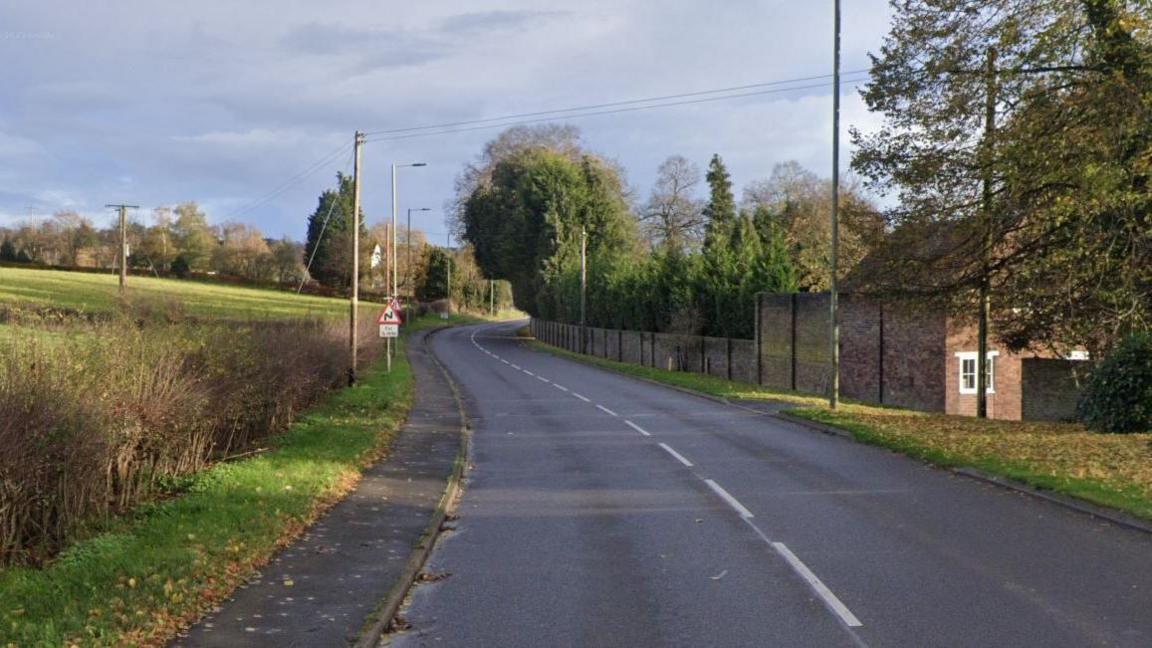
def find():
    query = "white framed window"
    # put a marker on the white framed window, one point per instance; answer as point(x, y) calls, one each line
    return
point(967, 362)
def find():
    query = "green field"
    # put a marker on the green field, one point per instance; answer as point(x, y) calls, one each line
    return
point(88, 292)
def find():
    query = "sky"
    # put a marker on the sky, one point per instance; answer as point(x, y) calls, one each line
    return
point(227, 103)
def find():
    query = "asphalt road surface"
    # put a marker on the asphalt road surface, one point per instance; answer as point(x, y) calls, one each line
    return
point(605, 511)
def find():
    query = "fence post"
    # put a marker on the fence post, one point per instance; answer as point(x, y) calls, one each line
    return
point(792, 346)
point(728, 351)
point(759, 339)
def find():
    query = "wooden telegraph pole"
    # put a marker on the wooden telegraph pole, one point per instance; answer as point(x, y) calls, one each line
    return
point(352, 337)
point(986, 243)
point(583, 290)
point(123, 209)
point(834, 296)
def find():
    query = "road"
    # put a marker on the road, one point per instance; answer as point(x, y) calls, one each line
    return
point(605, 511)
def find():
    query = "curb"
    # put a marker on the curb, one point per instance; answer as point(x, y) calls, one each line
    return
point(379, 622)
point(1115, 516)
point(813, 425)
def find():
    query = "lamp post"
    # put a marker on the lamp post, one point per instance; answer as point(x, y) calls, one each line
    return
point(408, 242)
point(395, 284)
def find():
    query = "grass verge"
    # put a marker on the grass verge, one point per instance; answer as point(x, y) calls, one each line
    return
point(161, 568)
point(709, 385)
point(1112, 470)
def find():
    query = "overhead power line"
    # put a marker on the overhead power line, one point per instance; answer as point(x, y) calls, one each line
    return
point(291, 181)
point(575, 112)
point(612, 104)
point(576, 115)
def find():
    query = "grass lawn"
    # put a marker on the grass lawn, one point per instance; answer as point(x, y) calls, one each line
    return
point(149, 574)
point(1109, 469)
point(99, 292)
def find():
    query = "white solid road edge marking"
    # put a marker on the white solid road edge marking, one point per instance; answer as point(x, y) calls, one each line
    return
point(818, 586)
point(679, 457)
point(727, 497)
point(606, 410)
point(637, 428)
point(582, 397)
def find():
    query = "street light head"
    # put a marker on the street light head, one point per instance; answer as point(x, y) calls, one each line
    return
point(425, 209)
point(415, 164)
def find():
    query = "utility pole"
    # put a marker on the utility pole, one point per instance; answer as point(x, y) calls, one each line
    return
point(448, 253)
point(834, 296)
point(123, 209)
point(986, 242)
point(583, 289)
point(358, 142)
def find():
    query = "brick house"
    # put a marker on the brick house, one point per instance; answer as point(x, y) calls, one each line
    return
point(905, 356)
point(891, 354)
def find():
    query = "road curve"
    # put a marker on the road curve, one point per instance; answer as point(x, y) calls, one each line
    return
point(604, 511)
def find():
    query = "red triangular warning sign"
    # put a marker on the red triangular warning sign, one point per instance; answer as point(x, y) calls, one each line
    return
point(391, 314)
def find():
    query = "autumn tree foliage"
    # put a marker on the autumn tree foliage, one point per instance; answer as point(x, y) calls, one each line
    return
point(1017, 141)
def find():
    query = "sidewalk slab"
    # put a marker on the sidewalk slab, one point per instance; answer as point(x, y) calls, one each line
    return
point(321, 590)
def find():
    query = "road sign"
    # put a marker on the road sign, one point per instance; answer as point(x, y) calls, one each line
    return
point(389, 330)
point(391, 314)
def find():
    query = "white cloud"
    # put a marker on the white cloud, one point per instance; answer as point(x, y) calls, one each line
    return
point(221, 102)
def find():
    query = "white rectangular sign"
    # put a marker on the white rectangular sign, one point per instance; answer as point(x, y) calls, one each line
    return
point(389, 330)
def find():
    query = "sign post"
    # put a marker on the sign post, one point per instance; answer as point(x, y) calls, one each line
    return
point(389, 322)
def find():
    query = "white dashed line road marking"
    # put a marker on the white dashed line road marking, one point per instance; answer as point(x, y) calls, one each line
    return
point(637, 428)
point(516, 367)
point(727, 497)
point(560, 387)
point(818, 586)
point(528, 372)
point(606, 410)
point(582, 397)
point(679, 457)
point(543, 379)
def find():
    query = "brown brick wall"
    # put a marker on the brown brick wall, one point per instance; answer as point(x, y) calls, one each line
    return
point(744, 361)
point(1050, 388)
point(914, 360)
point(811, 344)
point(776, 340)
point(716, 353)
point(860, 364)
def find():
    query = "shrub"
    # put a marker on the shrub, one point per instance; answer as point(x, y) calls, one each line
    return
point(96, 419)
point(1118, 396)
point(180, 267)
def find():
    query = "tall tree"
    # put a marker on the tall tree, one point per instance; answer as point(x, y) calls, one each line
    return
point(797, 202)
point(329, 242)
point(1013, 137)
point(672, 218)
point(194, 237)
point(720, 211)
point(525, 223)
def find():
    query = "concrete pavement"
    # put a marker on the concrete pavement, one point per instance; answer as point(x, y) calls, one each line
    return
point(322, 589)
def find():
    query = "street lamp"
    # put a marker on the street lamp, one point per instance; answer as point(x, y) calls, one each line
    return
point(395, 286)
point(408, 270)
